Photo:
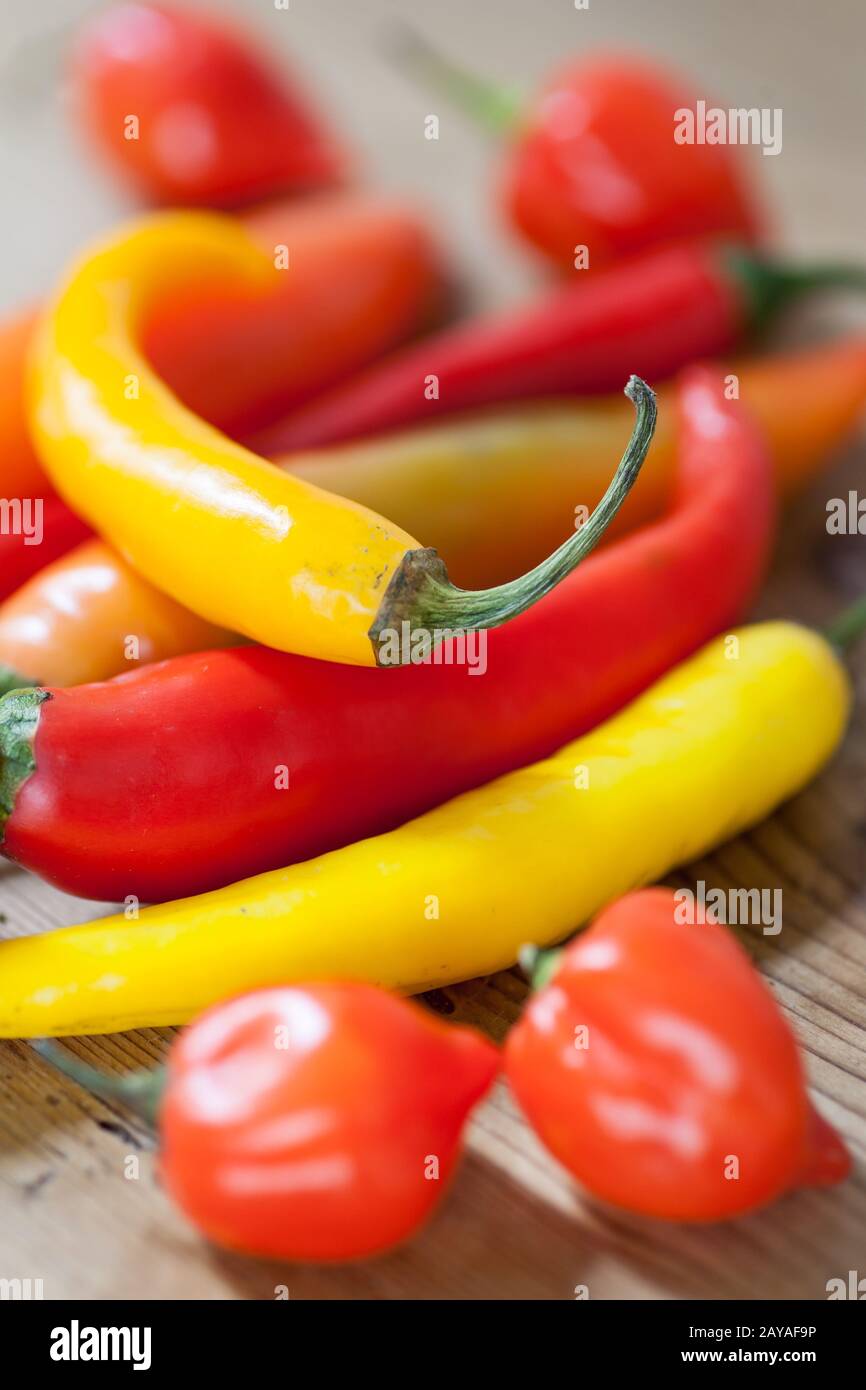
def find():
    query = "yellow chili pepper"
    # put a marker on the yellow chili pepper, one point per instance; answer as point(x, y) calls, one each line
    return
point(707, 752)
point(241, 543)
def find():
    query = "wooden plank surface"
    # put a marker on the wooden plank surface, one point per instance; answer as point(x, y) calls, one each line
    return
point(513, 1226)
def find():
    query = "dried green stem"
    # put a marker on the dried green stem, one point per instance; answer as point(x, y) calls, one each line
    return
point(421, 595)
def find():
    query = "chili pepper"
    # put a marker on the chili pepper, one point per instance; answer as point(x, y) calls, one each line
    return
point(310, 572)
point(655, 313)
point(658, 1068)
point(90, 610)
point(349, 276)
point(708, 751)
point(100, 816)
point(595, 160)
point(471, 482)
point(316, 1123)
point(362, 273)
point(187, 109)
point(46, 530)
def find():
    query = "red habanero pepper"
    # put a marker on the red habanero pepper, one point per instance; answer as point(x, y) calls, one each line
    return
point(597, 164)
point(215, 123)
point(317, 1122)
point(166, 781)
point(596, 160)
point(652, 315)
point(686, 1065)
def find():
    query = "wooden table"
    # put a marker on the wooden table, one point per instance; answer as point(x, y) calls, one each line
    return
point(513, 1227)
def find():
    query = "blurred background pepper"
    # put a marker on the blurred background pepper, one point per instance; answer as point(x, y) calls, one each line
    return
point(589, 161)
point(215, 122)
point(651, 315)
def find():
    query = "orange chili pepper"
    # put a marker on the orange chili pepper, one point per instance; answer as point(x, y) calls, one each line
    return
point(89, 615)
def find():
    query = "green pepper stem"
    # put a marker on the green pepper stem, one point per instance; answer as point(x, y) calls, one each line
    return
point(848, 626)
point(421, 595)
point(498, 108)
point(769, 285)
point(139, 1091)
point(19, 717)
point(539, 966)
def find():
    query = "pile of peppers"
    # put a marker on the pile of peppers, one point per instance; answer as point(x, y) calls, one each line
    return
point(227, 424)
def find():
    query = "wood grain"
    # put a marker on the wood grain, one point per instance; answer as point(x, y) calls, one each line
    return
point(513, 1226)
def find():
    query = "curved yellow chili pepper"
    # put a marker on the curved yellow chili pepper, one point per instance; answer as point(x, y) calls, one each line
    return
point(235, 539)
point(708, 751)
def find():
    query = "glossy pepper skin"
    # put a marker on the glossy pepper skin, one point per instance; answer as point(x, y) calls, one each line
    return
point(363, 273)
point(530, 855)
point(310, 572)
point(128, 773)
point(321, 1122)
point(656, 1058)
point(594, 163)
point(321, 1147)
point(217, 123)
point(90, 611)
point(652, 315)
point(59, 528)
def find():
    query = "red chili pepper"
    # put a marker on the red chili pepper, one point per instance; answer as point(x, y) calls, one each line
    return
point(172, 779)
point(320, 1122)
point(186, 108)
point(652, 316)
point(594, 161)
point(659, 1070)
